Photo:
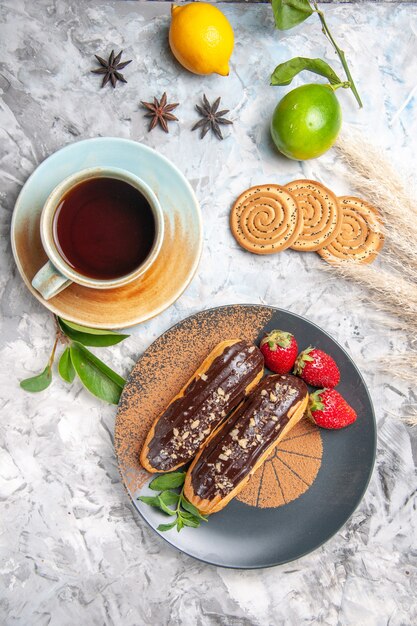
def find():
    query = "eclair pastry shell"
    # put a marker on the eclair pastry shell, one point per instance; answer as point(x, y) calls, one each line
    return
point(206, 506)
point(204, 367)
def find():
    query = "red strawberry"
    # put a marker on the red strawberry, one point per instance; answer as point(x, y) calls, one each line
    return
point(280, 351)
point(317, 368)
point(328, 409)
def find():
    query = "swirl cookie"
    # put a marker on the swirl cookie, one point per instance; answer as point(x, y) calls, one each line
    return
point(360, 238)
point(322, 217)
point(265, 219)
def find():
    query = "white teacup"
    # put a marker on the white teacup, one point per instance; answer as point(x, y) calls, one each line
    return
point(57, 273)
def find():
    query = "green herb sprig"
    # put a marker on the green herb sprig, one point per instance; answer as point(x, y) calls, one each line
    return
point(185, 513)
point(290, 13)
point(77, 360)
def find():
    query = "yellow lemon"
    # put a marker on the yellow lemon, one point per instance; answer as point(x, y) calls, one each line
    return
point(201, 38)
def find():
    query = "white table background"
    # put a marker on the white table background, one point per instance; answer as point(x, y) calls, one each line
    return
point(72, 548)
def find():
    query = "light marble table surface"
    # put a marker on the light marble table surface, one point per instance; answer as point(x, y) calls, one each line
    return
point(72, 548)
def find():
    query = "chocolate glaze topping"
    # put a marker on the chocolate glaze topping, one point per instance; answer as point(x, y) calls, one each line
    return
point(256, 424)
point(187, 422)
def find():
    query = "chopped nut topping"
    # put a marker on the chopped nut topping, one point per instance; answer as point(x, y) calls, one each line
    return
point(259, 438)
point(223, 457)
point(220, 392)
point(212, 416)
point(195, 424)
point(223, 413)
point(234, 433)
point(272, 397)
point(207, 431)
point(243, 443)
point(219, 467)
point(252, 422)
point(251, 349)
point(264, 392)
point(185, 435)
point(278, 426)
point(228, 452)
point(203, 377)
point(175, 431)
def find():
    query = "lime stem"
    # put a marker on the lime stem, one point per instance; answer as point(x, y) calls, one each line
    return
point(345, 85)
point(339, 52)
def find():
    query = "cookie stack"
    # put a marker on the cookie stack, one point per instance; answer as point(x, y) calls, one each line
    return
point(307, 216)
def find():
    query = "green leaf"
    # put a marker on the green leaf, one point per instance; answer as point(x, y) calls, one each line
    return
point(170, 497)
point(90, 336)
point(65, 367)
point(180, 524)
point(285, 72)
point(167, 481)
point(164, 527)
point(193, 523)
point(164, 507)
point(289, 13)
point(192, 509)
point(39, 382)
point(99, 379)
point(150, 500)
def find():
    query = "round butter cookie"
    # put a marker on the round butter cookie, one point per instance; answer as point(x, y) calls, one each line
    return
point(360, 238)
point(321, 214)
point(265, 219)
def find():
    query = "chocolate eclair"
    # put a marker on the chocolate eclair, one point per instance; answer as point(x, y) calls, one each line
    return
point(226, 376)
point(240, 446)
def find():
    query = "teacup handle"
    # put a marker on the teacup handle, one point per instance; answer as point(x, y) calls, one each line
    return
point(49, 281)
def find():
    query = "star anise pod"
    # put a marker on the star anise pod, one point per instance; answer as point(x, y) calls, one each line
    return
point(160, 112)
point(212, 118)
point(111, 68)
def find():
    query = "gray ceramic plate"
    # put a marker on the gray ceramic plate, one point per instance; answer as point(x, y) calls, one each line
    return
point(263, 533)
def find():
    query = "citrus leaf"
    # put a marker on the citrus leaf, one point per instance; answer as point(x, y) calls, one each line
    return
point(65, 367)
point(164, 527)
point(90, 336)
point(99, 379)
point(39, 382)
point(167, 481)
point(285, 72)
point(192, 509)
point(289, 13)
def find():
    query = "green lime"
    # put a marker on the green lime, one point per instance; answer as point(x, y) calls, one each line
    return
point(306, 122)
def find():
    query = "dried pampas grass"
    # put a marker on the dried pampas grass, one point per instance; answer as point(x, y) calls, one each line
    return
point(391, 281)
point(375, 178)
